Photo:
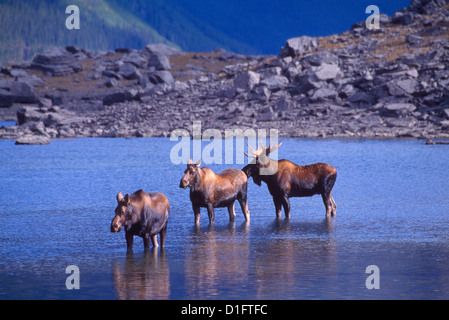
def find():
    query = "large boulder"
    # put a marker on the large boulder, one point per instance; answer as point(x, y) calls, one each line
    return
point(162, 49)
point(299, 46)
point(326, 71)
point(56, 62)
point(159, 62)
point(15, 91)
point(162, 76)
point(33, 139)
point(246, 80)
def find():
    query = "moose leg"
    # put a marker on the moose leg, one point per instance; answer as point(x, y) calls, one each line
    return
point(129, 241)
point(231, 211)
point(154, 240)
point(278, 206)
point(327, 200)
point(244, 206)
point(146, 241)
point(162, 234)
point(334, 206)
point(197, 212)
point(286, 205)
point(211, 213)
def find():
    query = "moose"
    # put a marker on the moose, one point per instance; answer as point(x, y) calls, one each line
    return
point(286, 179)
point(144, 215)
point(210, 190)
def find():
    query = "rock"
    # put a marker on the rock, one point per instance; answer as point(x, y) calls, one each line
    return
point(137, 59)
point(15, 91)
point(117, 97)
point(266, 114)
point(319, 58)
point(159, 62)
point(323, 94)
point(180, 86)
point(260, 92)
point(326, 71)
point(158, 77)
point(163, 50)
point(246, 80)
point(402, 18)
point(303, 84)
point(45, 103)
point(56, 62)
point(128, 71)
point(399, 108)
point(409, 86)
point(111, 74)
point(299, 46)
point(275, 83)
point(30, 114)
point(361, 96)
point(33, 139)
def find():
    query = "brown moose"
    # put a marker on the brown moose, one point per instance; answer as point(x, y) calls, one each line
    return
point(210, 190)
point(286, 179)
point(144, 215)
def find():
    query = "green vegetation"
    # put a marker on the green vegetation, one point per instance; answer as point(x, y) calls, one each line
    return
point(28, 27)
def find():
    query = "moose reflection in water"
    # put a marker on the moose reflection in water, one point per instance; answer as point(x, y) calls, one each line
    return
point(142, 277)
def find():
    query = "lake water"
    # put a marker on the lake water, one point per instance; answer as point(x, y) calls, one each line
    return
point(57, 202)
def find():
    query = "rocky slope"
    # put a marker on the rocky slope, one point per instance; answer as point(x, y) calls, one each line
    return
point(390, 82)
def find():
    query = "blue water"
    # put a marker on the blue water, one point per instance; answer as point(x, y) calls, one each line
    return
point(57, 202)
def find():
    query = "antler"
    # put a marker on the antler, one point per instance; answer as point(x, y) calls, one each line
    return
point(260, 150)
point(255, 153)
point(271, 149)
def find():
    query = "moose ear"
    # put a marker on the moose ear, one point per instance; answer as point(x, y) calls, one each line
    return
point(119, 197)
point(198, 163)
point(126, 199)
point(190, 161)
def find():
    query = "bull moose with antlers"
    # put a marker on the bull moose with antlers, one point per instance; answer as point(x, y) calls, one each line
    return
point(211, 190)
point(286, 179)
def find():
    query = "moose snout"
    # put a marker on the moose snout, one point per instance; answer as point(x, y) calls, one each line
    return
point(115, 226)
point(183, 184)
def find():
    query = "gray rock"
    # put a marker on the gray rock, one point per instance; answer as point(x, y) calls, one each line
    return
point(56, 62)
point(135, 58)
point(158, 77)
point(299, 46)
point(33, 139)
point(303, 84)
point(162, 49)
point(260, 92)
point(275, 83)
point(117, 97)
point(30, 114)
point(266, 114)
point(128, 71)
point(409, 86)
point(15, 91)
point(159, 62)
point(400, 107)
point(361, 96)
point(323, 94)
point(326, 71)
point(246, 80)
point(317, 59)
